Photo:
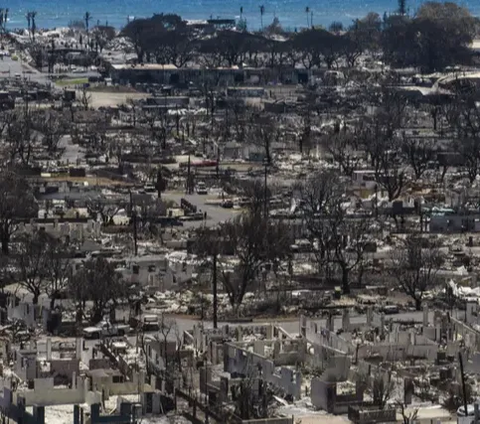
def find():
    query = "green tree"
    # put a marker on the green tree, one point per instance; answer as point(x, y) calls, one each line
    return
point(103, 35)
point(366, 32)
point(438, 36)
point(316, 46)
point(336, 27)
point(166, 38)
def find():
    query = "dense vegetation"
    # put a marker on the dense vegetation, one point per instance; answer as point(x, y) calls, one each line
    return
point(437, 36)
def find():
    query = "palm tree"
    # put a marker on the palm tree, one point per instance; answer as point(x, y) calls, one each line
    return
point(1, 18)
point(87, 19)
point(241, 13)
point(29, 20)
point(307, 11)
point(402, 7)
point(5, 18)
point(34, 25)
point(262, 12)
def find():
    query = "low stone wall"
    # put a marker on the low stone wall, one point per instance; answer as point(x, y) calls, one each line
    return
point(369, 415)
point(269, 421)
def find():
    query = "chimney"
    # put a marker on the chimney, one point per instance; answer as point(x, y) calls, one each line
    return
point(49, 348)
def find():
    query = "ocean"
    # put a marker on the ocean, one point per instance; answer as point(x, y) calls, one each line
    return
point(291, 13)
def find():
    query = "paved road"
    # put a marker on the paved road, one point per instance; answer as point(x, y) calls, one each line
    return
point(474, 251)
point(9, 67)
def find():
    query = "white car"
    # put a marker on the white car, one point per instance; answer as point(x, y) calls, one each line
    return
point(105, 329)
point(201, 188)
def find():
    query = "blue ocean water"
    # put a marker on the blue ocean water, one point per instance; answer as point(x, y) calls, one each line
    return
point(291, 13)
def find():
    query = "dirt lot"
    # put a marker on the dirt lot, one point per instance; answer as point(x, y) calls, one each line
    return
point(92, 181)
point(105, 99)
point(322, 419)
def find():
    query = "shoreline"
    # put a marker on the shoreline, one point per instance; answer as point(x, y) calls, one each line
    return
point(291, 14)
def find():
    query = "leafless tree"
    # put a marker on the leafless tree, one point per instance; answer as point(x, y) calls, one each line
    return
point(16, 202)
point(116, 149)
point(382, 387)
point(237, 120)
point(251, 403)
point(147, 171)
point(455, 397)
point(52, 126)
point(349, 240)
point(148, 210)
point(7, 275)
point(98, 282)
point(419, 153)
point(407, 417)
point(85, 98)
point(209, 245)
point(469, 149)
point(340, 241)
point(103, 35)
point(390, 172)
point(106, 209)
point(58, 269)
point(264, 132)
point(142, 342)
point(167, 326)
point(19, 136)
point(257, 193)
point(320, 197)
point(32, 261)
point(392, 180)
point(415, 269)
point(344, 150)
point(255, 241)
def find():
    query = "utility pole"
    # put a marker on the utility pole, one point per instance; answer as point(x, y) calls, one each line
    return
point(464, 389)
point(265, 190)
point(188, 190)
point(134, 221)
point(214, 281)
point(135, 236)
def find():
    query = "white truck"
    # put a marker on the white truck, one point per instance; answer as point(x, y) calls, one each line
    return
point(105, 329)
point(201, 188)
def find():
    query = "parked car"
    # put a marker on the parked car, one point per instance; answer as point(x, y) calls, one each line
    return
point(105, 329)
point(227, 204)
point(390, 309)
point(201, 188)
